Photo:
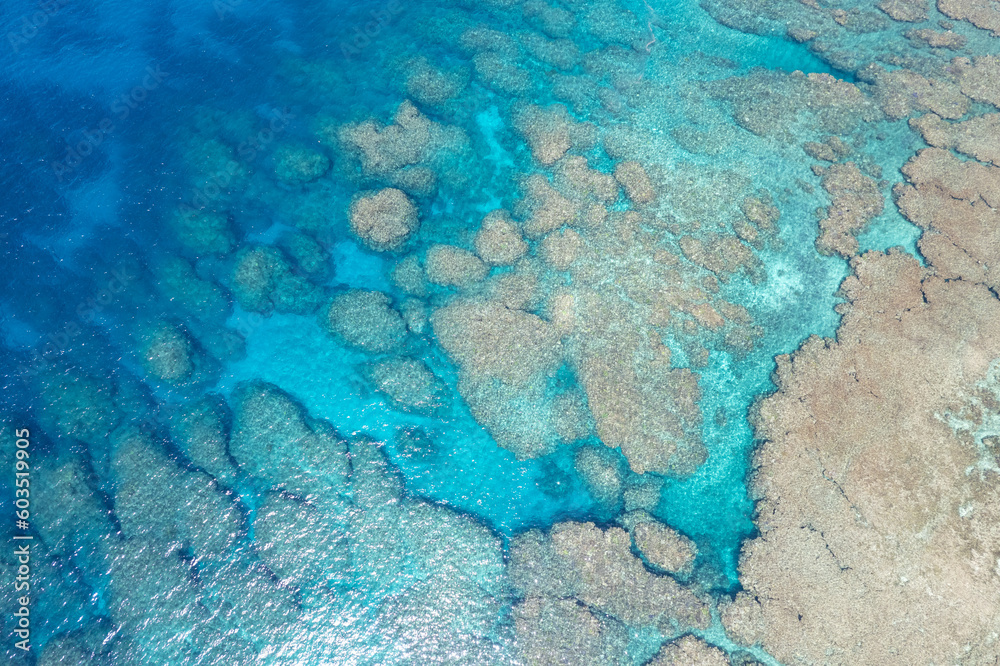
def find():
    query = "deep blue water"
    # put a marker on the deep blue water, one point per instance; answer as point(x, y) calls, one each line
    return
point(114, 115)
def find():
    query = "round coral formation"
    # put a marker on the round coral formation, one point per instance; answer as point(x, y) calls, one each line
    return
point(498, 241)
point(410, 384)
point(384, 221)
point(366, 320)
point(429, 85)
point(167, 354)
point(663, 547)
point(451, 266)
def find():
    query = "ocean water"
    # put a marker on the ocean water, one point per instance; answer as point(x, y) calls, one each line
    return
point(121, 121)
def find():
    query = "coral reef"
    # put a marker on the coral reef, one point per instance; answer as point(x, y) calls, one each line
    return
point(154, 602)
point(451, 266)
point(647, 408)
point(560, 249)
point(886, 563)
point(979, 14)
point(578, 231)
point(970, 137)
point(489, 340)
point(775, 104)
point(855, 201)
point(304, 545)
point(901, 92)
point(410, 384)
point(600, 471)
point(419, 561)
point(204, 232)
point(554, 631)
point(957, 203)
point(157, 500)
point(384, 220)
point(70, 516)
point(633, 178)
point(551, 132)
point(262, 281)
point(546, 209)
point(366, 320)
point(580, 573)
point(661, 546)
point(690, 651)
point(978, 78)
point(274, 440)
point(180, 284)
point(386, 150)
point(430, 85)
point(297, 165)
point(200, 431)
point(498, 241)
point(497, 71)
point(308, 256)
point(167, 353)
point(911, 11)
point(79, 406)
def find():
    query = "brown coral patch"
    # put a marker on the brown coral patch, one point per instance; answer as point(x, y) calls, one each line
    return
point(855, 201)
point(959, 203)
point(877, 546)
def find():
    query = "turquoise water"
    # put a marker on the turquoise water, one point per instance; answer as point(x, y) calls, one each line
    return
point(126, 301)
